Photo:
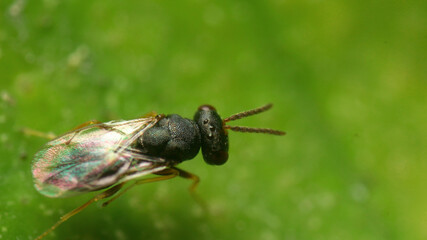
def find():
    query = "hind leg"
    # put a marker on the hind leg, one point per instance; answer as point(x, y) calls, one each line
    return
point(164, 175)
point(108, 193)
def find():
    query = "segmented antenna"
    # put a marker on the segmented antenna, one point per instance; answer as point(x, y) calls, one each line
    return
point(248, 113)
point(255, 130)
point(250, 129)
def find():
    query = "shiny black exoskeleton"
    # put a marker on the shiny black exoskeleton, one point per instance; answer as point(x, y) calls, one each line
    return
point(155, 146)
point(177, 139)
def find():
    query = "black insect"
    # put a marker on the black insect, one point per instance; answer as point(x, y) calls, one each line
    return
point(99, 155)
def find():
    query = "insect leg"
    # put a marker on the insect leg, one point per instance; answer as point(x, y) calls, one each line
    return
point(193, 186)
point(165, 175)
point(98, 197)
point(32, 132)
point(188, 175)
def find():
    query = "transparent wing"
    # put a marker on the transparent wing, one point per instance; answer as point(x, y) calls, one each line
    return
point(137, 165)
point(93, 157)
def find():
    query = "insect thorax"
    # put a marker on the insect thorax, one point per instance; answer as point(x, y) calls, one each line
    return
point(173, 137)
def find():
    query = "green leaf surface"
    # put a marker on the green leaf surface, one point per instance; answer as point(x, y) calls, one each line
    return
point(348, 83)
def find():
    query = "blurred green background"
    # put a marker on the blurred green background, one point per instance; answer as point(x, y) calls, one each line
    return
point(348, 80)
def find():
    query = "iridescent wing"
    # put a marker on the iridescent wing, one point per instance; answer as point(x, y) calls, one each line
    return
point(94, 157)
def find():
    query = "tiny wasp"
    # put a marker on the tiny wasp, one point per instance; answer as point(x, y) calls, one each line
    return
point(97, 155)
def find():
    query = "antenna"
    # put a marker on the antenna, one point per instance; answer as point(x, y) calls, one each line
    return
point(248, 113)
